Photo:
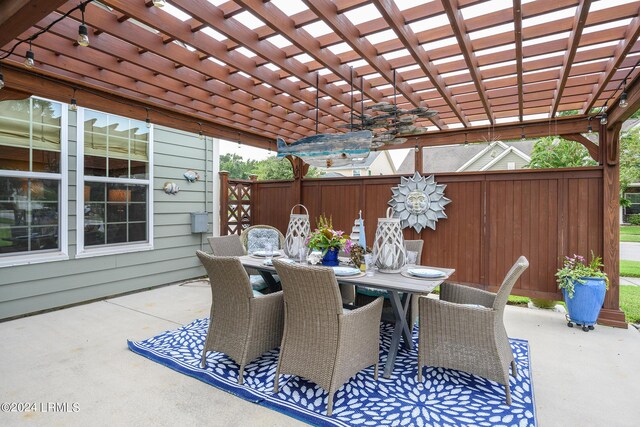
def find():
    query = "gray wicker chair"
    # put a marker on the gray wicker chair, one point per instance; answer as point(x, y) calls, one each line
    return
point(241, 325)
point(267, 231)
point(231, 245)
point(365, 294)
point(464, 330)
point(323, 342)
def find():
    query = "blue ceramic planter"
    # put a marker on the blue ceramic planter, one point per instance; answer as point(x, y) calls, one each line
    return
point(587, 300)
point(330, 259)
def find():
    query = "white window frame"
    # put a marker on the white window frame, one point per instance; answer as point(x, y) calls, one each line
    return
point(36, 257)
point(117, 248)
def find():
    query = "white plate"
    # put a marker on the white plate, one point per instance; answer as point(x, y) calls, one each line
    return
point(269, 262)
point(426, 272)
point(266, 254)
point(345, 271)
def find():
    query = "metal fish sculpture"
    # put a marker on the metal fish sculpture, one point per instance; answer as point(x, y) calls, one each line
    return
point(191, 176)
point(329, 149)
point(171, 188)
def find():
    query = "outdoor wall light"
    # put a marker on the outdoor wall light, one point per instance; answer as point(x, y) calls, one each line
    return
point(589, 128)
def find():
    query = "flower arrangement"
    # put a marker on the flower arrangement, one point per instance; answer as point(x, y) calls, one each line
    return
point(575, 269)
point(325, 237)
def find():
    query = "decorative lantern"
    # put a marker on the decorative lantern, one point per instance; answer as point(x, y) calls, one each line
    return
point(297, 232)
point(388, 245)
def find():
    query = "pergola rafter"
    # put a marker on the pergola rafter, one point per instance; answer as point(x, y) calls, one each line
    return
point(517, 27)
point(350, 34)
point(457, 23)
point(391, 14)
point(574, 41)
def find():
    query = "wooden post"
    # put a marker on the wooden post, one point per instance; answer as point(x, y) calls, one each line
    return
point(419, 166)
point(611, 315)
point(254, 203)
point(224, 203)
point(300, 169)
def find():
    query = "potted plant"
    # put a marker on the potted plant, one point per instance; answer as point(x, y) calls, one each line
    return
point(329, 241)
point(583, 286)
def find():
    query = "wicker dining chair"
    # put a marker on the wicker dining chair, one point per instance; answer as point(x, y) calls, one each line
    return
point(231, 245)
point(251, 237)
point(322, 342)
point(365, 294)
point(464, 330)
point(243, 324)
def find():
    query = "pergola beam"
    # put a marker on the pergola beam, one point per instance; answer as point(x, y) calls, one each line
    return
point(460, 31)
point(392, 15)
point(506, 131)
point(59, 88)
point(620, 53)
point(617, 114)
point(17, 16)
point(340, 24)
point(572, 47)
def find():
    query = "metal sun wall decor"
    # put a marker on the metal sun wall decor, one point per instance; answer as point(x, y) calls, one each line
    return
point(419, 202)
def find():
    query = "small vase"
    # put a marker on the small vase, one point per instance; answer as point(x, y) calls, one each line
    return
point(330, 259)
point(587, 300)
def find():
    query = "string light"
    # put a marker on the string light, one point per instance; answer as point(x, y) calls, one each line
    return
point(417, 148)
point(522, 137)
point(603, 119)
point(589, 128)
point(83, 34)
point(29, 58)
point(1, 79)
point(73, 104)
point(159, 3)
point(148, 120)
point(200, 133)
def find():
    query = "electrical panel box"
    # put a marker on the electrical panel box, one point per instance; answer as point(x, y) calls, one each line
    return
point(199, 222)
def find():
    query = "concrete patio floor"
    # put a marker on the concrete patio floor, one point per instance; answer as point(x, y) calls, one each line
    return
point(79, 355)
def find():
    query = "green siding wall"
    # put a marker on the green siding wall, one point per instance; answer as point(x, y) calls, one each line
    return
point(30, 288)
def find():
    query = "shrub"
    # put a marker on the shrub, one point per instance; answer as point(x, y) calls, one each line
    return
point(634, 219)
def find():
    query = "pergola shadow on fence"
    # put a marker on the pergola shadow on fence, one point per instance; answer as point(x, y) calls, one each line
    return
point(494, 218)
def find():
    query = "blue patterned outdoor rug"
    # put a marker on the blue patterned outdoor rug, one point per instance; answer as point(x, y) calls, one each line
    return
point(445, 398)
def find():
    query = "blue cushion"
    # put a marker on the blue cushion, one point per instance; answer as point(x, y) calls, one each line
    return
point(258, 238)
point(257, 294)
point(372, 292)
point(257, 282)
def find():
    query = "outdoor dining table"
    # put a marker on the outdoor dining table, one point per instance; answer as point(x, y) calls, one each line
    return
point(399, 288)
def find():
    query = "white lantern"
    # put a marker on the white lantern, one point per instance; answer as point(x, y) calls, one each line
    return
point(297, 232)
point(388, 245)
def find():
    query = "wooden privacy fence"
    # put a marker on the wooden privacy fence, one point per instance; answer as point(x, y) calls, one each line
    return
point(493, 218)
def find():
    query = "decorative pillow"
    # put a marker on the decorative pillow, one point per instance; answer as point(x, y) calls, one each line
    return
point(258, 239)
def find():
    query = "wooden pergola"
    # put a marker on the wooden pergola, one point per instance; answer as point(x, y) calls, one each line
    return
point(249, 70)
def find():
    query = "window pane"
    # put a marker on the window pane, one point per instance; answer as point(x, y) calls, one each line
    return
point(13, 158)
point(29, 216)
point(94, 192)
point(116, 233)
point(118, 168)
point(138, 232)
point(138, 193)
point(46, 161)
point(95, 166)
point(139, 170)
point(116, 212)
point(46, 113)
point(137, 212)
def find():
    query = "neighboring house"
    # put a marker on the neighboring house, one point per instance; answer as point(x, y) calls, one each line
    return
point(83, 214)
point(378, 163)
point(497, 155)
point(632, 193)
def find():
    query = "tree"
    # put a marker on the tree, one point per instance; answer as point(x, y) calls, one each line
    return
point(271, 168)
point(554, 152)
point(629, 158)
point(274, 168)
point(237, 167)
